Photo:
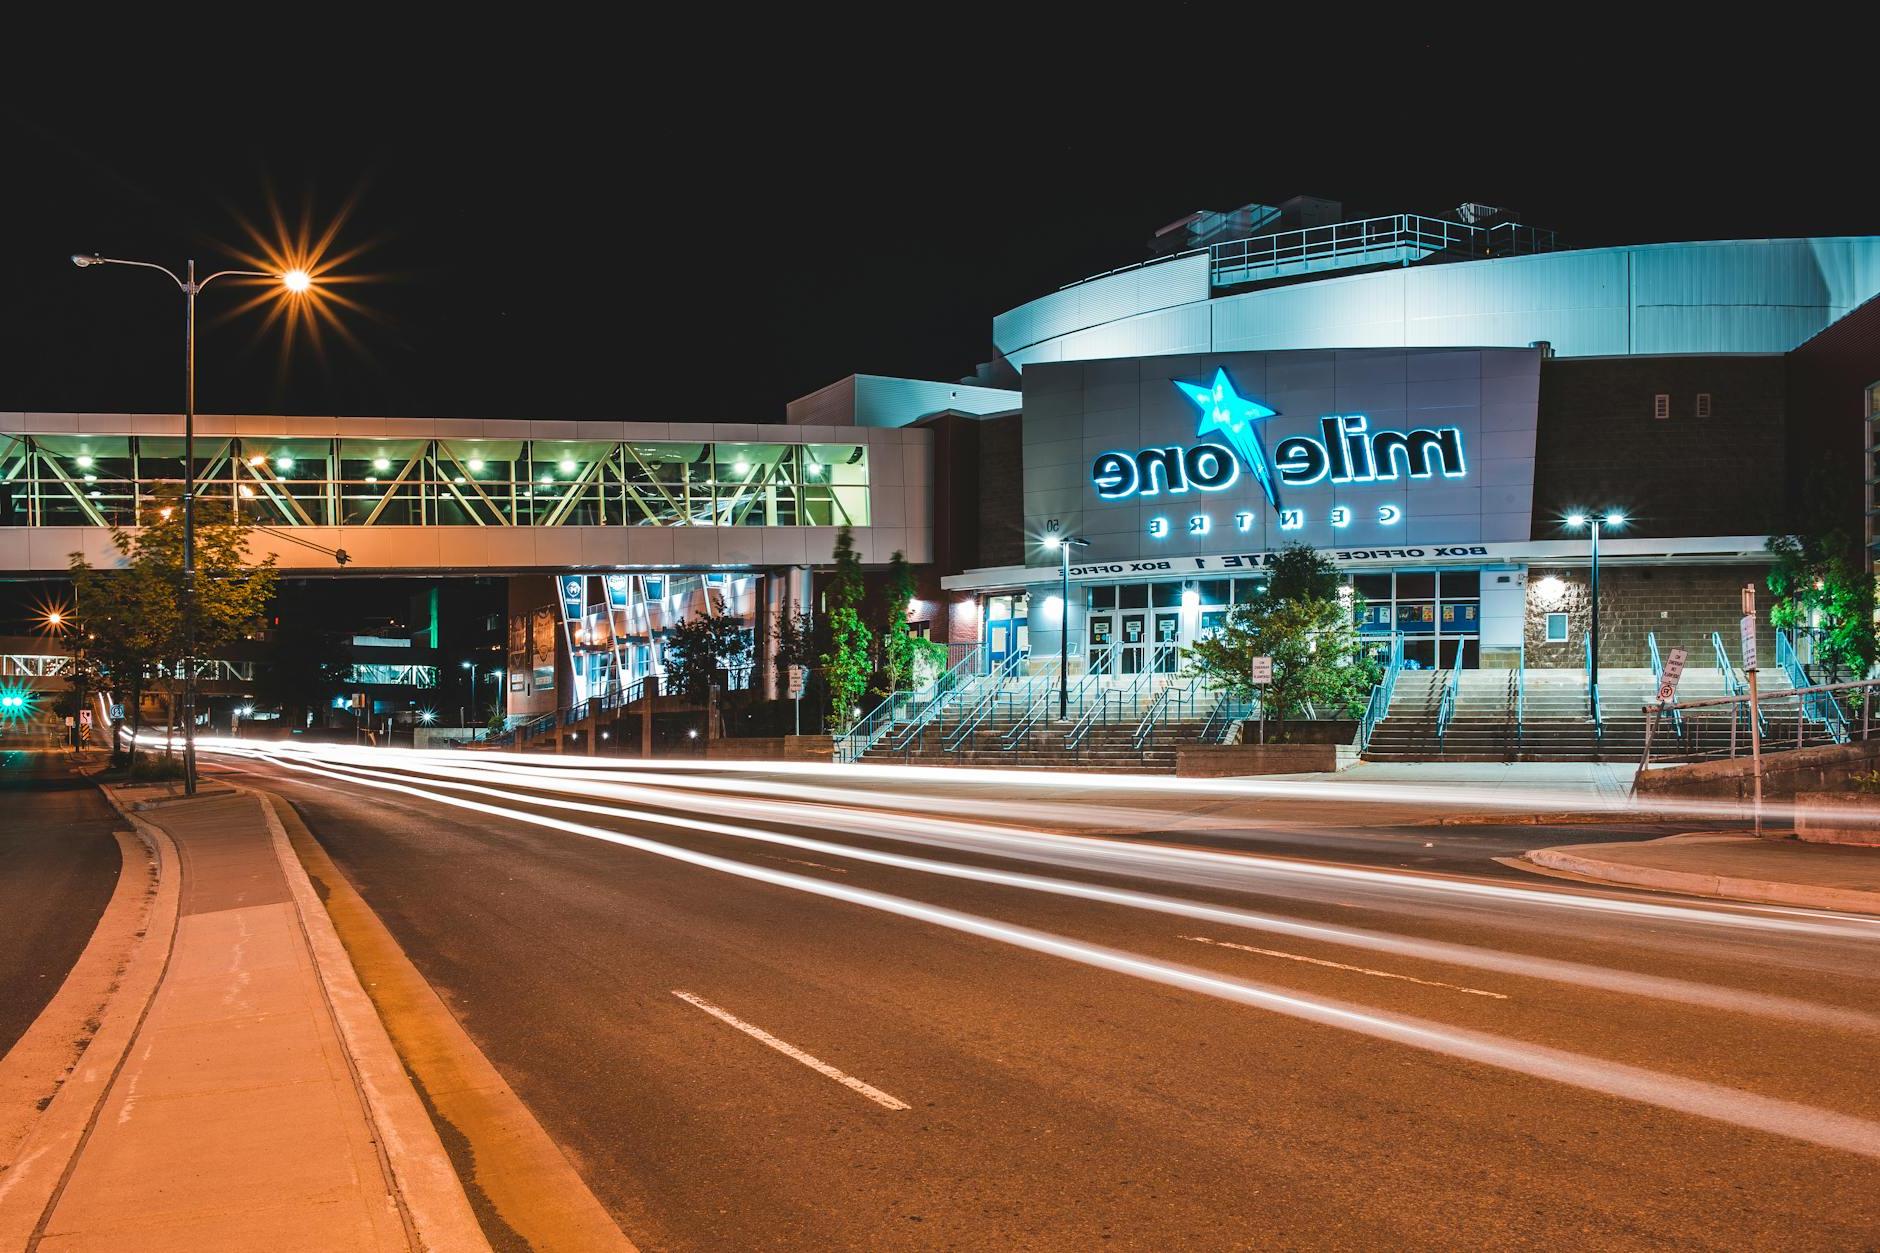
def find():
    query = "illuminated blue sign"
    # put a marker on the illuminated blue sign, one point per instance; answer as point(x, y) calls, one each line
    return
point(1348, 452)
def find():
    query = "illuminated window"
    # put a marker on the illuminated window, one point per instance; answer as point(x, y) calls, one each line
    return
point(1556, 628)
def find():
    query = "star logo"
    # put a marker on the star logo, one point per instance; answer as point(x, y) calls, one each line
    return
point(1230, 415)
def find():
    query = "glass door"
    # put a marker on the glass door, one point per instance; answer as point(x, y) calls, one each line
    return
point(1166, 656)
point(1134, 643)
point(1101, 657)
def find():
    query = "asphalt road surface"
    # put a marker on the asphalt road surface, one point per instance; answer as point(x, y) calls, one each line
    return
point(794, 1011)
point(59, 863)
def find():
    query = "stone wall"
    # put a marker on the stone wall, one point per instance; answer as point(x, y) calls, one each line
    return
point(1599, 447)
point(1683, 604)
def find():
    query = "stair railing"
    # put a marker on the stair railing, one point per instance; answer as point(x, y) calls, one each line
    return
point(914, 736)
point(1226, 712)
point(1110, 706)
point(1817, 706)
point(1378, 707)
point(1173, 701)
point(1009, 695)
point(1658, 678)
point(1592, 693)
point(1733, 682)
point(901, 706)
point(1520, 698)
point(1044, 709)
point(1447, 710)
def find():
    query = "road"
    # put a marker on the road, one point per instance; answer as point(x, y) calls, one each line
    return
point(59, 863)
point(806, 1011)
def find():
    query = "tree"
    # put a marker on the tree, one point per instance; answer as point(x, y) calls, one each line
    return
point(846, 665)
point(699, 647)
point(907, 659)
point(133, 614)
point(1304, 621)
point(796, 638)
point(1818, 588)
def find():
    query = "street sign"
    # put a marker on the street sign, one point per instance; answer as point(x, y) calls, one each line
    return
point(799, 678)
point(84, 718)
point(1260, 671)
point(1674, 670)
point(1748, 628)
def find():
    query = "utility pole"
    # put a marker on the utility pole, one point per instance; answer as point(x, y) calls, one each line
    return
point(1748, 628)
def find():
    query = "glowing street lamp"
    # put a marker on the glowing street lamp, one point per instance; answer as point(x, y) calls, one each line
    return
point(1612, 520)
point(295, 282)
point(1062, 545)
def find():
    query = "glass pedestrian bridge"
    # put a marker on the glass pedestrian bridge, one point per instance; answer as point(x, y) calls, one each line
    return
point(103, 479)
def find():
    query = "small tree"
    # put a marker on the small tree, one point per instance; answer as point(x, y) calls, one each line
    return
point(699, 647)
point(1819, 589)
point(846, 665)
point(907, 659)
point(1305, 622)
point(133, 615)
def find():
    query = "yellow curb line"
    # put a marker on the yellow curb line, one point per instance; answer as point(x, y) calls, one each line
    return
point(515, 1168)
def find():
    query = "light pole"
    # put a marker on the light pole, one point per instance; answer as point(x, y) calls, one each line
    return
point(1063, 544)
point(1612, 520)
point(471, 666)
point(294, 281)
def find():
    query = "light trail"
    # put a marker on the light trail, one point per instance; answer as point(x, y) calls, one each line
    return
point(1356, 970)
point(1113, 856)
point(1774, 1116)
point(1554, 970)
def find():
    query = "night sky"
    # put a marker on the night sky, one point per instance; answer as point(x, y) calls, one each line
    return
point(605, 236)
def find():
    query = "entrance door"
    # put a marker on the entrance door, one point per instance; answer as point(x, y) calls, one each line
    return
point(1006, 626)
point(1101, 658)
point(1166, 656)
point(1134, 644)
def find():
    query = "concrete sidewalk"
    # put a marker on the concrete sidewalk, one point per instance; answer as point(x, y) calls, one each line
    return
point(252, 1108)
point(1735, 867)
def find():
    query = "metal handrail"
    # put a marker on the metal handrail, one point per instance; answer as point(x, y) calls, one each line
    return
point(1821, 707)
point(915, 734)
point(1171, 697)
point(1227, 711)
point(896, 707)
point(1658, 678)
point(1732, 681)
point(1869, 689)
point(1382, 692)
point(1447, 710)
point(1095, 672)
point(1592, 693)
point(1098, 714)
point(1004, 690)
point(1520, 698)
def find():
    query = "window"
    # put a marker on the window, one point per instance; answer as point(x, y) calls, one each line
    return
point(1556, 628)
point(1703, 404)
point(1661, 405)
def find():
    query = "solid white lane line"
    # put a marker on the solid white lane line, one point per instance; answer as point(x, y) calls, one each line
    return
point(1362, 970)
point(791, 1051)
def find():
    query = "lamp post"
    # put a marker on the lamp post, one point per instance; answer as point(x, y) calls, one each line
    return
point(1612, 520)
point(1063, 545)
point(471, 666)
point(294, 281)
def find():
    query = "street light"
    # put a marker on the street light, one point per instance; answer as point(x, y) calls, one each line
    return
point(295, 281)
point(1612, 521)
point(1063, 544)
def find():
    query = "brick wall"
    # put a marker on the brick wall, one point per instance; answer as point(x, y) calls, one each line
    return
point(1598, 446)
point(1683, 604)
point(1001, 492)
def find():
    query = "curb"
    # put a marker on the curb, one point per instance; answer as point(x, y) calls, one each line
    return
point(33, 1180)
point(1698, 883)
point(433, 1197)
point(527, 1182)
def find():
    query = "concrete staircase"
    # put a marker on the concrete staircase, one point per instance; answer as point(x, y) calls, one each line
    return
point(1556, 724)
point(1107, 746)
